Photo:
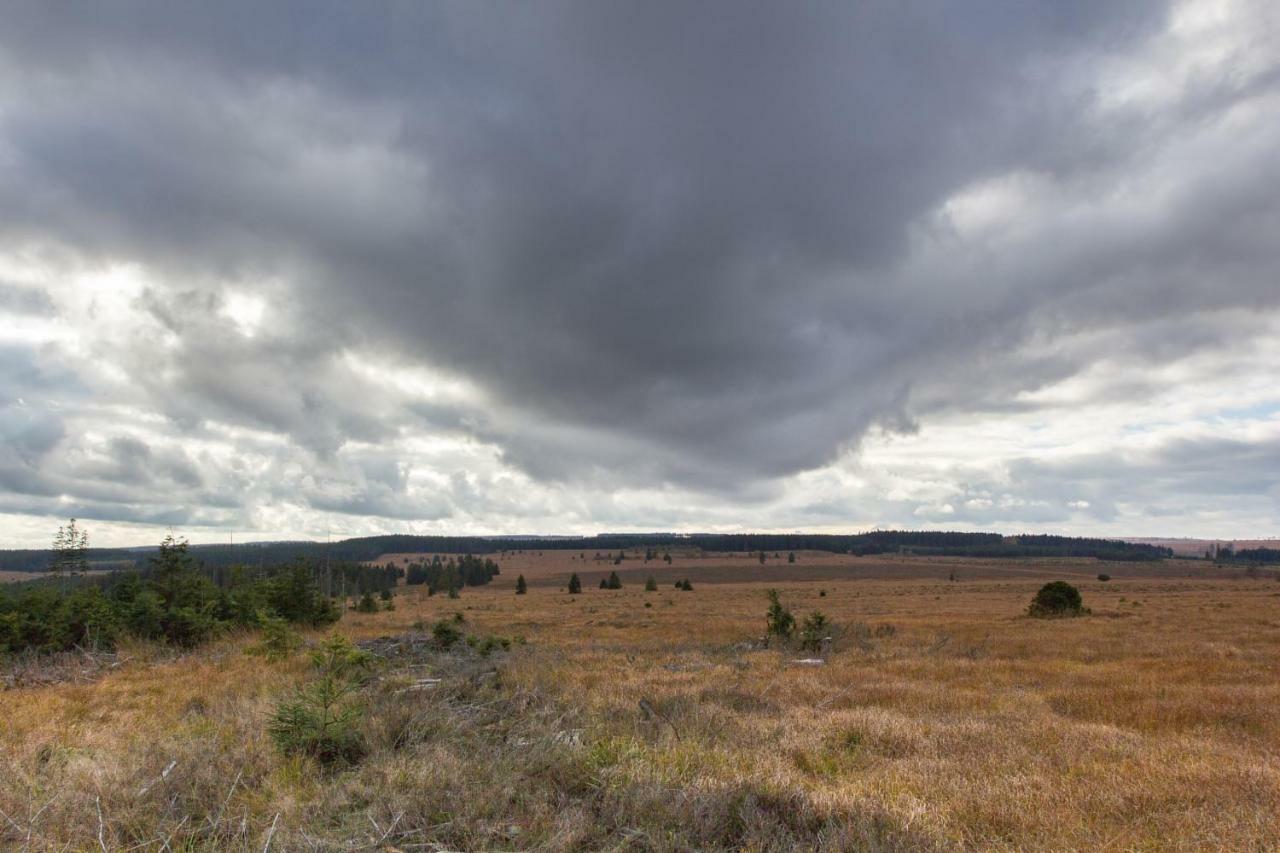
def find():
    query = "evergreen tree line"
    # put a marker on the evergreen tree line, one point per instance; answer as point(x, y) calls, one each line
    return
point(1247, 556)
point(942, 543)
point(173, 598)
point(450, 575)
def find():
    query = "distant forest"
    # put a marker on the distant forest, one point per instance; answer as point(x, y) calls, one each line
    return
point(939, 543)
point(1247, 556)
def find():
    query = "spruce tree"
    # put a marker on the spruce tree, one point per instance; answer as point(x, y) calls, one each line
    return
point(575, 585)
point(70, 547)
point(521, 589)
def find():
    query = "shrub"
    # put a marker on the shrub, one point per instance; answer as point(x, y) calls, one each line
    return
point(322, 719)
point(367, 604)
point(685, 585)
point(813, 631)
point(1056, 598)
point(278, 642)
point(1104, 577)
point(445, 633)
point(651, 585)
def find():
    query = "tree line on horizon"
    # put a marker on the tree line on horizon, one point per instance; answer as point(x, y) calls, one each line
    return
point(364, 549)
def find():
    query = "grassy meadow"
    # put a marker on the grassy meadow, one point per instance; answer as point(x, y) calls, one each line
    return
point(944, 718)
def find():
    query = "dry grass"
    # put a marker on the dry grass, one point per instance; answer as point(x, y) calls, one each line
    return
point(1152, 724)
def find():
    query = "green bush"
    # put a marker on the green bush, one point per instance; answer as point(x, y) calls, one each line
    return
point(278, 642)
point(445, 633)
point(813, 631)
point(1056, 598)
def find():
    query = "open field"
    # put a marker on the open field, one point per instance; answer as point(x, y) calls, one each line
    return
point(552, 568)
point(19, 577)
point(943, 719)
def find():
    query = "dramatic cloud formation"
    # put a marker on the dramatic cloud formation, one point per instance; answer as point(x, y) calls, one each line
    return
point(553, 267)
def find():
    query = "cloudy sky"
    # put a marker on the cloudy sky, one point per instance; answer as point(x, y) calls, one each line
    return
point(297, 270)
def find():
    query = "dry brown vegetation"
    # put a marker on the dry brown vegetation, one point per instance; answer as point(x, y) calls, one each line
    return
point(943, 719)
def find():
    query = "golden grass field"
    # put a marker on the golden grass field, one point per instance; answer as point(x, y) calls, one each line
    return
point(943, 719)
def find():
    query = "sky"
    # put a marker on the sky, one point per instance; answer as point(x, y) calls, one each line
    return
point(308, 270)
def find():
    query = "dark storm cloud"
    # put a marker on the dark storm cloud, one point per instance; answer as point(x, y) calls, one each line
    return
point(701, 242)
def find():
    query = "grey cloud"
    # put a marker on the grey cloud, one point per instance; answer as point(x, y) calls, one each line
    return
point(28, 301)
point(699, 245)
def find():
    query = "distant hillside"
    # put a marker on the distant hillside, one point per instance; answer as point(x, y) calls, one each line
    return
point(1199, 547)
point(942, 543)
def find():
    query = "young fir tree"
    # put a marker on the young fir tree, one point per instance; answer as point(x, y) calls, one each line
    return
point(70, 547)
point(575, 585)
point(778, 621)
point(615, 582)
point(651, 585)
point(521, 589)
